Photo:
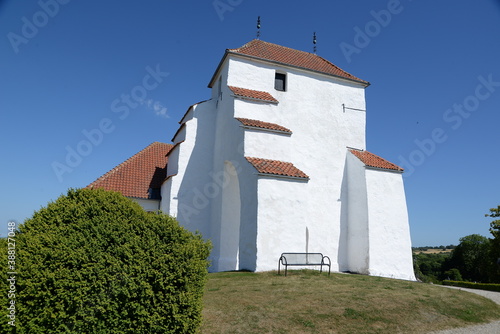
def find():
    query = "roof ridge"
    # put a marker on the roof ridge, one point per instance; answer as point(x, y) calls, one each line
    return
point(296, 50)
point(257, 42)
point(283, 55)
point(273, 44)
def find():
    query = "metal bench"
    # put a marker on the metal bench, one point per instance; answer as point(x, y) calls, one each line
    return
point(303, 259)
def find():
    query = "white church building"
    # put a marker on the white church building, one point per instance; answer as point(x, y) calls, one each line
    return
point(275, 161)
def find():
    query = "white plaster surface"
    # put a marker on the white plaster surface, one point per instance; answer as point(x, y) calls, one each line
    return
point(390, 244)
point(343, 210)
point(356, 206)
point(152, 205)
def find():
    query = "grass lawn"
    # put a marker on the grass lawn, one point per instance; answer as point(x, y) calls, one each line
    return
point(309, 302)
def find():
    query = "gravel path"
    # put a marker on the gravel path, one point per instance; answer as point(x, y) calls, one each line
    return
point(491, 328)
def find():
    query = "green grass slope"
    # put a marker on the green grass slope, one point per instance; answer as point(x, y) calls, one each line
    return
point(309, 302)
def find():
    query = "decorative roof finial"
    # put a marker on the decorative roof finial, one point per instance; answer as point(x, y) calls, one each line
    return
point(314, 42)
point(258, 27)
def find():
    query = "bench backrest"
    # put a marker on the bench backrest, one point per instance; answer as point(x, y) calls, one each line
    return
point(302, 258)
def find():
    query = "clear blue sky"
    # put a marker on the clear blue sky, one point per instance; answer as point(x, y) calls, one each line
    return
point(433, 105)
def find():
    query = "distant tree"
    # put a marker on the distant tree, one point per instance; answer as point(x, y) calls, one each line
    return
point(495, 244)
point(452, 275)
point(471, 258)
point(94, 261)
point(428, 267)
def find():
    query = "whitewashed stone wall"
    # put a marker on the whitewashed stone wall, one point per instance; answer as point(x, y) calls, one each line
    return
point(250, 218)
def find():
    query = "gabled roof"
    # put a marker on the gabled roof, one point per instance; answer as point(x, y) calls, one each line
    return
point(275, 167)
point(374, 161)
point(253, 94)
point(282, 55)
point(140, 176)
point(264, 125)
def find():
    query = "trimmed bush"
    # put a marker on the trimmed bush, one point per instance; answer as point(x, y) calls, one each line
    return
point(470, 285)
point(95, 262)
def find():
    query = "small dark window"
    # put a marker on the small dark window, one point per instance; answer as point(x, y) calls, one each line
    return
point(154, 193)
point(280, 82)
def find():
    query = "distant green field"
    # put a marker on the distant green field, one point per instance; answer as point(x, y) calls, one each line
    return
point(309, 302)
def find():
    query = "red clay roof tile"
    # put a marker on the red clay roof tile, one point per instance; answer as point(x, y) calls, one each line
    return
point(277, 53)
point(136, 176)
point(275, 167)
point(253, 94)
point(263, 125)
point(372, 160)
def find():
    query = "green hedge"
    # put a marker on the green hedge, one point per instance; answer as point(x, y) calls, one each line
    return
point(95, 262)
point(470, 285)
